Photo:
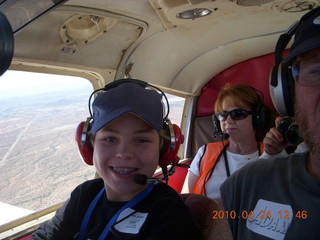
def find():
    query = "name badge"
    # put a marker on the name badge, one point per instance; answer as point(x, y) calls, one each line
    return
point(270, 219)
point(131, 224)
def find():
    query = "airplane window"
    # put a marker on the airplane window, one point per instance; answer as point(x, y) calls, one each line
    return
point(20, 12)
point(39, 162)
point(176, 108)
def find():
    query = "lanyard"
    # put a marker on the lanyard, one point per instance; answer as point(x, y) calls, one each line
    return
point(226, 159)
point(93, 204)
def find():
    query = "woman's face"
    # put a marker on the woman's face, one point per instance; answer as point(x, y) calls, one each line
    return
point(123, 148)
point(237, 129)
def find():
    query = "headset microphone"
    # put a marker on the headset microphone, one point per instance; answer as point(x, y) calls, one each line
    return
point(217, 129)
point(143, 179)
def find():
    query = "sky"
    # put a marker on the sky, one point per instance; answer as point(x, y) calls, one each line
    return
point(24, 84)
point(17, 83)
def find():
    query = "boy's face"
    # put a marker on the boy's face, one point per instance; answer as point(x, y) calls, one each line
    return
point(123, 148)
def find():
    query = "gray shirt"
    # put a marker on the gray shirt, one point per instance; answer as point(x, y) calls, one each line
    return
point(273, 199)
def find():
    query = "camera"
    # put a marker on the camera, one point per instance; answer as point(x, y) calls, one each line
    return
point(290, 131)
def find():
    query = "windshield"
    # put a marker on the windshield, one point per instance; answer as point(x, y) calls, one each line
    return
point(22, 12)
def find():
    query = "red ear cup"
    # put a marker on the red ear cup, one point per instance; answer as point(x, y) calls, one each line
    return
point(84, 145)
point(169, 155)
point(172, 147)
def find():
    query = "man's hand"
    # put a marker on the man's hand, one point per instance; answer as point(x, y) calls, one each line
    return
point(274, 142)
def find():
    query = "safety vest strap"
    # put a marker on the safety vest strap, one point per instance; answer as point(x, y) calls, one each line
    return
point(209, 159)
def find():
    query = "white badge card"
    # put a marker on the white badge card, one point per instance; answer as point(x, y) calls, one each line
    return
point(270, 219)
point(133, 223)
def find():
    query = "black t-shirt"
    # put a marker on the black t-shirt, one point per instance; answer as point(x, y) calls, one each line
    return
point(162, 215)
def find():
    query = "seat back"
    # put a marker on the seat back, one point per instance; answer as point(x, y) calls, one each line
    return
point(202, 133)
point(201, 209)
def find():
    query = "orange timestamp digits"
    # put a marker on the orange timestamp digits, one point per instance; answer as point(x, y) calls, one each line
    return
point(302, 214)
point(261, 215)
point(231, 214)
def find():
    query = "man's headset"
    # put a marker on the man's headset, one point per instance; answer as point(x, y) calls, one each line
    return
point(260, 118)
point(281, 82)
point(171, 143)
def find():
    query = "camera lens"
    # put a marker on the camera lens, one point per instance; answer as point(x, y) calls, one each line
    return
point(290, 131)
point(292, 135)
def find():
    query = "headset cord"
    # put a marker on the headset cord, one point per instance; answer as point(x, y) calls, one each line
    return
point(226, 161)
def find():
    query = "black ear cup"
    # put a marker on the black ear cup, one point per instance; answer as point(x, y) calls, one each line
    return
point(6, 44)
point(218, 134)
point(261, 117)
point(216, 124)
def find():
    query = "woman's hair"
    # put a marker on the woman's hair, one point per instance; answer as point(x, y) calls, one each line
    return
point(243, 96)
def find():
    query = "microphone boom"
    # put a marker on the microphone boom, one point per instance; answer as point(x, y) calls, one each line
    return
point(143, 179)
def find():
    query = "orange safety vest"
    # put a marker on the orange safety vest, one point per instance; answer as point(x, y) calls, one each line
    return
point(209, 159)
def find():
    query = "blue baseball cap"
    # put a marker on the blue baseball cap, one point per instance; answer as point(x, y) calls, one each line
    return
point(307, 35)
point(125, 98)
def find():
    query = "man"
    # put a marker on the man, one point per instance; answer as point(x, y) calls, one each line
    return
point(280, 198)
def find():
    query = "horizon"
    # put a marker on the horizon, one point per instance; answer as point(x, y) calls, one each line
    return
point(19, 83)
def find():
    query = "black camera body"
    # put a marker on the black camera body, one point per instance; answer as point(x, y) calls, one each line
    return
point(290, 131)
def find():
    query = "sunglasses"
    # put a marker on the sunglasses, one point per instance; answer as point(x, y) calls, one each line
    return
point(236, 114)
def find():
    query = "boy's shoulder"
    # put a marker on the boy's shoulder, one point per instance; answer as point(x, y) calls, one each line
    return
point(92, 186)
point(163, 189)
point(164, 193)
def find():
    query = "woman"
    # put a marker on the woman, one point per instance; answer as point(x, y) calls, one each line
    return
point(240, 112)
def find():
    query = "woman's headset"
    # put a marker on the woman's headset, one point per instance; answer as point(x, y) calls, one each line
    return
point(171, 142)
point(260, 118)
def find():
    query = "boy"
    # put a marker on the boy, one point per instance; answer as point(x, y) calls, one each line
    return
point(127, 134)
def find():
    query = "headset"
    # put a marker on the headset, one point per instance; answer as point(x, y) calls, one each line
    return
point(261, 115)
point(171, 143)
point(281, 81)
point(260, 118)
point(6, 44)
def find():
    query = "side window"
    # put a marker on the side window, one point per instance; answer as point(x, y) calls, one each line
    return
point(39, 160)
point(176, 108)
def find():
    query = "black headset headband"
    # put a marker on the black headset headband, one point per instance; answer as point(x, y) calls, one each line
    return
point(130, 80)
point(285, 38)
point(281, 83)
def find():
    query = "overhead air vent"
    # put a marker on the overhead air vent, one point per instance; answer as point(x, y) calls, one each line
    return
point(295, 6)
point(81, 29)
point(251, 2)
